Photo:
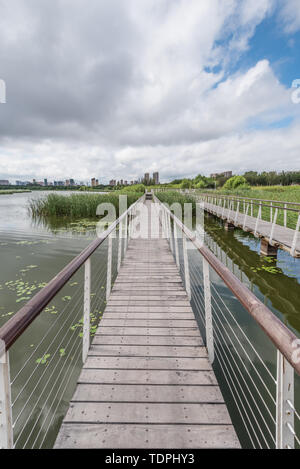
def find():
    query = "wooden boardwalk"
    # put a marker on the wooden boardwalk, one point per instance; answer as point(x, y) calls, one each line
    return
point(282, 236)
point(147, 382)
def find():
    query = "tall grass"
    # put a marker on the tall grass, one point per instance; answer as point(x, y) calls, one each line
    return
point(76, 205)
point(172, 197)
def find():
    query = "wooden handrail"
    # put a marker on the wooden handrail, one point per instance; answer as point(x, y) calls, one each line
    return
point(13, 328)
point(281, 336)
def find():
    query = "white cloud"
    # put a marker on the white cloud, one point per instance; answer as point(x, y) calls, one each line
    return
point(290, 15)
point(111, 89)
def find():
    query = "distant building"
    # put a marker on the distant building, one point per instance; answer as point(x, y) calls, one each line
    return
point(22, 183)
point(156, 178)
point(67, 182)
point(226, 174)
point(113, 182)
point(45, 182)
point(59, 183)
point(4, 182)
point(147, 178)
point(93, 182)
point(72, 182)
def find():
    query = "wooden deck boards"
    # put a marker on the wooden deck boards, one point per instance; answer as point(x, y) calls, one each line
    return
point(282, 237)
point(147, 381)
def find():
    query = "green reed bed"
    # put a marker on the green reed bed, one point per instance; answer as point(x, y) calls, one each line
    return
point(76, 205)
point(172, 197)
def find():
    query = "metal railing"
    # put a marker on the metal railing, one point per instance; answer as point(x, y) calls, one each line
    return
point(276, 212)
point(255, 356)
point(37, 385)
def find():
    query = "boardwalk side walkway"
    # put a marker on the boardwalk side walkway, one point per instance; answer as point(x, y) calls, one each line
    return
point(147, 382)
point(282, 236)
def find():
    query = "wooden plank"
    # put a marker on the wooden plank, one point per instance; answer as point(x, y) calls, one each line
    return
point(147, 340)
point(143, 377)
point(148, 393)
point(147, 351)
point(149, 309)
point(179, 323)
point(93, 436)
point(148, 363)
point(148, 316)
point(188, 331)
point(111, 412)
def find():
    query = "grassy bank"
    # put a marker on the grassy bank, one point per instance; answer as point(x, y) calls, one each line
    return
point(76, 205)
point(284, 193)
point(11, 192)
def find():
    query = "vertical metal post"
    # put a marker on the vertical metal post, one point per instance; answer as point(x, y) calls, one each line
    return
point(86, 309)
point(237, 212)
point(125, 233)
point(186, 267)
point(273, 226)
point(257, 219)
point(176, 245)
point(245, 218)
point(271, 212)
point(120, 245)
point(170, 233)
point(251, 208)
point(294, 243)
point(284, 404)
point(285, 214)
point(6, 428)
point(208, 312)
point(109, 263)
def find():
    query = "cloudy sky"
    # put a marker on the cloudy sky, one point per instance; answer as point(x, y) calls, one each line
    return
point(114, 88)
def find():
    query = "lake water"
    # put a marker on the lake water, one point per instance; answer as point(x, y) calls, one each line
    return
point(46, 360)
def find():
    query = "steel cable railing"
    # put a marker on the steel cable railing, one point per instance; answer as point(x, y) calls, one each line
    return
point(33, 402)
point(257, 375)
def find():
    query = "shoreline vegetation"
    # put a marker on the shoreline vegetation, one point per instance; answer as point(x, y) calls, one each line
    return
point(11, 192)
point(77, 206)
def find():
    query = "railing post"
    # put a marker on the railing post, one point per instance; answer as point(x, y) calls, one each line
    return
point(208, 312)
point(245, 218)
point(120, 245)
point(285, 215)
point(294, 243)
point(6, 429)
point(176, 245)
point(237, 213)
point(186, 268)
point(170, 234)
point(284, 404)
point(86, 309)
point(109, 263)
point(125, 233)
point(257, 219)
point(273, 226)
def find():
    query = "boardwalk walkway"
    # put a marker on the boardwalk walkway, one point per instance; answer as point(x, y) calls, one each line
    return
point(282, 236)
point(147, 382)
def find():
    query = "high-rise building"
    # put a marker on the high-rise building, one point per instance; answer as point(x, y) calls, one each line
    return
point(156, 178)
point(113, 182)
point(72, 182)
point(45, 182)
point(147, 178)
point(93, 181)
